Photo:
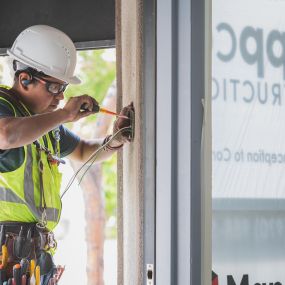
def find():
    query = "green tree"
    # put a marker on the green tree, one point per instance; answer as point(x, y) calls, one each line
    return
point(97, 75)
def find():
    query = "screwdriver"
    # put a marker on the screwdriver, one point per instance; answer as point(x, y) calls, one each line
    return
point(24, 280)
point(17, 274)
point(97, 109)
point(102, 110)
point(2, 235)
point(32, 272)
point(24, 265)
point(4, 255)
point(2, 274)
point(38, 275)
point(60, 270)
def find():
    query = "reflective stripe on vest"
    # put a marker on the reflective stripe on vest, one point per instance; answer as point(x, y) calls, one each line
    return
point(52, 213)
point(8, 195)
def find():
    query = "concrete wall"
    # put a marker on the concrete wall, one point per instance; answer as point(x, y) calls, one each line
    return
point(130, 196)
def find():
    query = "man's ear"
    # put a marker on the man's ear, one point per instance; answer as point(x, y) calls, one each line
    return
point(25, 79)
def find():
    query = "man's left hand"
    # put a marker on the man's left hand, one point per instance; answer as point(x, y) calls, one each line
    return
point(120, 123)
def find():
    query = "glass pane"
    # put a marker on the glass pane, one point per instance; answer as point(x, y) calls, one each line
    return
point(248, 64)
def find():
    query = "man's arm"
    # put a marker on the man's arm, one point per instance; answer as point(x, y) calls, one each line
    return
point(86, 148)
point(17, 132)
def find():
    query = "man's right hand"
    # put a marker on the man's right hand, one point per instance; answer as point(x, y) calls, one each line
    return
point(73, 107)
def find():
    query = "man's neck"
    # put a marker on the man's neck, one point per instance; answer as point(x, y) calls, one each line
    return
point(17, 94)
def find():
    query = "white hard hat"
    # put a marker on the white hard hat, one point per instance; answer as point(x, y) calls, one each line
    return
point(46, 49)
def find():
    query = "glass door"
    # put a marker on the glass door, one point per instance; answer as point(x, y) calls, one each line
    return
point(248, 150)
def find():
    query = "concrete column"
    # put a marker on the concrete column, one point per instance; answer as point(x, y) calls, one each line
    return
point(130, 169)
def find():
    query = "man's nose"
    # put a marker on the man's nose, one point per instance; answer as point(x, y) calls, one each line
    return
point(60, 96)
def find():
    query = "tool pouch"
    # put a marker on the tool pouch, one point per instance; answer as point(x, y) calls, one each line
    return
point(45, 261)
point(23, 245)
point(2, 235)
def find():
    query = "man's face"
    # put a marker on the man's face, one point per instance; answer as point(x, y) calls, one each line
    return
point(41, 99)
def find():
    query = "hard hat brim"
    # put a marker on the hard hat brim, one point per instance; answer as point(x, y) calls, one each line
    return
point(73, 80)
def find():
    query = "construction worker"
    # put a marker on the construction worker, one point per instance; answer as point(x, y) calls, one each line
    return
point(33, 142)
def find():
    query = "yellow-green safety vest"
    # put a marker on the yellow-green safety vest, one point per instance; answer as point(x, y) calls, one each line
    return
point(24, 190)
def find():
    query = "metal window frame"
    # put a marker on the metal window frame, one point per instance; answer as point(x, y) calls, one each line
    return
point(81, 45)
point(183, 206)
point(149, 132)
point(95, 44)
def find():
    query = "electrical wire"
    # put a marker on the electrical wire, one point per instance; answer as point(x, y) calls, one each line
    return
point(91, 160)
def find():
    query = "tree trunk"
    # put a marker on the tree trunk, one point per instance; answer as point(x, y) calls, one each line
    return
point(94, 199)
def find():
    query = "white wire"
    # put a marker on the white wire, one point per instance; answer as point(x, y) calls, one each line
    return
point(91, 159)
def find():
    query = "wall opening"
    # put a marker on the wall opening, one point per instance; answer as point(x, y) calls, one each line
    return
point(87, 237)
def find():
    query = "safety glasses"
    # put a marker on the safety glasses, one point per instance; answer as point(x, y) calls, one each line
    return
point(54, 88)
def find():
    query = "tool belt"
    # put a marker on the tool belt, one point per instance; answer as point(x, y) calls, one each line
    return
point(26, 241)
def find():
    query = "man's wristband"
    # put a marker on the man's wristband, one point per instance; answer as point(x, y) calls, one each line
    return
point(108, 147)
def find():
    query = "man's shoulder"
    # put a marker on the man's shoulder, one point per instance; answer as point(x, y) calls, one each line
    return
point(6, 109)
point(6, 105)
point(11, 159)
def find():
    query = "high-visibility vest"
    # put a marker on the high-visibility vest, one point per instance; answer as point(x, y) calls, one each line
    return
point(34, 185)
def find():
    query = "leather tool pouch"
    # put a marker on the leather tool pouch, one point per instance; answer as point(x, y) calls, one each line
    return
point(23, 244)
point(45, 261)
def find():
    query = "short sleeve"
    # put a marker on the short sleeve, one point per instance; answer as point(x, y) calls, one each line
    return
point(9, 159)
point(68, 141)
point(6, 110)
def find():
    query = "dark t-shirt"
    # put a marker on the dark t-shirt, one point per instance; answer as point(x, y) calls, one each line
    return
point(11, 159)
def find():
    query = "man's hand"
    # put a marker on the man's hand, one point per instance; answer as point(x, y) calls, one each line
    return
point(121, 123)
point(73, 107)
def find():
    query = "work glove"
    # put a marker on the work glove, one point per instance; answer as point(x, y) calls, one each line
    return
point(120, 123)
